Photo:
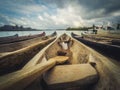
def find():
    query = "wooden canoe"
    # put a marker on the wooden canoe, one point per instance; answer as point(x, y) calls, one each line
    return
point(116, 42)
point(14, 60)
point(85, 69)
point(112, 51)
point(16, 38)
point(9, 47)
point(13, 36)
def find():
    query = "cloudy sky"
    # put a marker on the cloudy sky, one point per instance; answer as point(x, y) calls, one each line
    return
point(59, 13)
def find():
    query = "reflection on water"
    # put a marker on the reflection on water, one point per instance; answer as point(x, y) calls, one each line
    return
point(23, 33)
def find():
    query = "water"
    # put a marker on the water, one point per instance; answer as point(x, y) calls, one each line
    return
point(23, 33)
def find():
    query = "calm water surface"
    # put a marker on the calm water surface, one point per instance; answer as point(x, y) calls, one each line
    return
point(23, 33)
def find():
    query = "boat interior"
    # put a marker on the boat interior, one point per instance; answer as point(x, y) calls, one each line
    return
point(65, 46)
point(85, 69)
point(79, 55)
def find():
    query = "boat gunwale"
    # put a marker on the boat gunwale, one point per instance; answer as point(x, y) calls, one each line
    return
point(92, 51)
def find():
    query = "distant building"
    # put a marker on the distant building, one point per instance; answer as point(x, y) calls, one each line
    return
point(98, 27)
point(112, 26)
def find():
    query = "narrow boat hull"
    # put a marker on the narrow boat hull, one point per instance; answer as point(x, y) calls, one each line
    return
point(109, 50)
point(16, 38)
point(30, 76)
point(10, 47)
point(12, 61)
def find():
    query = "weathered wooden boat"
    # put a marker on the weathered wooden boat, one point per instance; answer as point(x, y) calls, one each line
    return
point(116, 42)
point(14, 60)
point(112, 51)
point(84, 69)
point(13, 36)
point(9, 47)
point(16, 38)
point(54, 33)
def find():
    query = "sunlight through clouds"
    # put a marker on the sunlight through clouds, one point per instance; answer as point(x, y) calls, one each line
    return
point(58, 13)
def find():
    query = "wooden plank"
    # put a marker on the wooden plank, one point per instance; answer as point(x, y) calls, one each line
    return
point(20, 79)
point(13, 61)
point(68, 76)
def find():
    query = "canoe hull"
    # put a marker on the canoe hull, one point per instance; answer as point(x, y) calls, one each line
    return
point(12, 39)
point(13, 61)
point(78, 53)
point(109, 50)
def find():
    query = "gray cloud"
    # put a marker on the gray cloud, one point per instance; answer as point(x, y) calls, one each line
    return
point(108, 5)
point(4, 19)
point(95, 6)
point(61, 13)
